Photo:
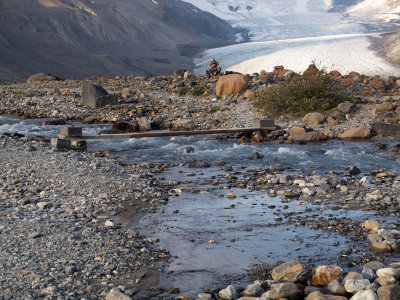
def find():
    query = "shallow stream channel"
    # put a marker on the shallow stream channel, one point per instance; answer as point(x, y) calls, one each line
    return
point(219, 220)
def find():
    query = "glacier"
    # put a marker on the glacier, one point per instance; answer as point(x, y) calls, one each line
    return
point(295, 33)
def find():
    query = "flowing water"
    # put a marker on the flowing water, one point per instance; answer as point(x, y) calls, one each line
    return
point(212, 238)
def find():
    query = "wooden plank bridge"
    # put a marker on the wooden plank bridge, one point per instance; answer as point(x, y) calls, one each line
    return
point(73, 135)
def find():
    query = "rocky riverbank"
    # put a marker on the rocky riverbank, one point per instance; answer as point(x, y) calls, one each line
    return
point(59, 228)
point(61, 238)
point(58, 233)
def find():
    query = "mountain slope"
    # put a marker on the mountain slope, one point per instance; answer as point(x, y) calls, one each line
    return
point(80, 38)
point(385, 10)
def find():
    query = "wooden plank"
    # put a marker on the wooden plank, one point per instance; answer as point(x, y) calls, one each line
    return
point(166, 133)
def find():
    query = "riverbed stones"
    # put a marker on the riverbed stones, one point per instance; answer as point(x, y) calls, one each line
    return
point(371, 225)
point(389, 292)
point(292, 271)
point(231, 196)
point(384, 107)
point(144, 124)
point(249, 94)
point(346, 107)
point(313, 118)
point(335, 287)
point(359, 133)
point(352, 275)
point(308, 137)
point(388, 272)
point(323, 275)
point(355, 285)
point(204, 296)
point(287, 290)
point(253, 290)
point(365, 295)
point(95, 96)
point(228, 293)
point(296, 130)
point(319, 296)
point(354, 170)
point(380, 247)
point(115, 294)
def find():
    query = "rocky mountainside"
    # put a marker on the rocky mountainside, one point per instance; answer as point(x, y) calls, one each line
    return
point(389, 47)
point(80, 38)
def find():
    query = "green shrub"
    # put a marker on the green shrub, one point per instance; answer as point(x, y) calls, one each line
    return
point(198, 90)
point(182, 92)
point(311, 91)
point(214, 109)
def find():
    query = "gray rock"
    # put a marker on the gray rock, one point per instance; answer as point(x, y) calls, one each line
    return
point(253, 290)
point(335, 287)
point(204, 296)
point(228, 293)
point(95, 96)
point(291, 271)
point(389, 292)
point(115, 294)
point(365, 295)
point(369, 274)
point(355, 285)
point(354, 170)
point(287, 290)
point(346, 107)
point(388, 272)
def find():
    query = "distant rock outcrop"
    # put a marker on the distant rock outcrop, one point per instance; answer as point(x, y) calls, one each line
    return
point(40, 77)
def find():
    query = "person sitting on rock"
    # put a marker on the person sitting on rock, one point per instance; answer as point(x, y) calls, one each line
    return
point(214, 69)
point(214, 64)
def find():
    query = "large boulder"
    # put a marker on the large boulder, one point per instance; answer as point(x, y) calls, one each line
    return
point(292, 271)
point(297, 130)
point(313, 118)
point(323, 275)
point(377, 83)
point(335, 74)
point(231, 84)
point(384, 107)
point(40, 77)
point(347, 107)
point(359, 133)
point(125, 126)
point(144, 124)
point(308, 137)
point(280, 71)
point(95, 96)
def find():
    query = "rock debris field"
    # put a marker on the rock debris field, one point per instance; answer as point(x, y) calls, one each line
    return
point(58, 236)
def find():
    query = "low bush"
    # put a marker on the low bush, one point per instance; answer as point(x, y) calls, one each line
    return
point(311, 91)
point(182, 92)
point(198, 90)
